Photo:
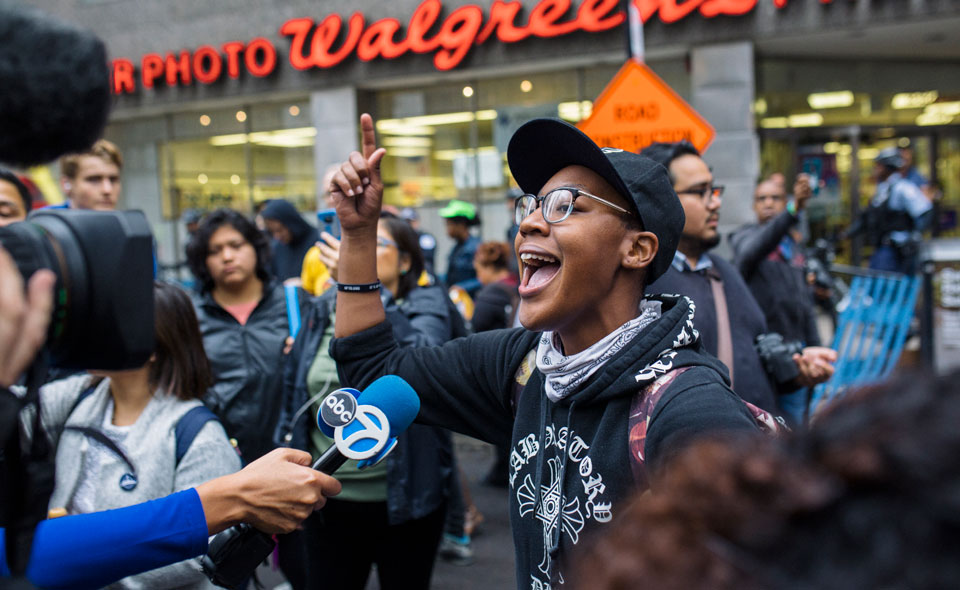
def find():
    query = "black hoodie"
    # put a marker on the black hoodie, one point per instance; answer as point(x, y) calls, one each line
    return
point(570, 462)
point(286, 260)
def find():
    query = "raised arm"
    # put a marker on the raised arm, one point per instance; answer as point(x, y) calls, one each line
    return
point(357, 193)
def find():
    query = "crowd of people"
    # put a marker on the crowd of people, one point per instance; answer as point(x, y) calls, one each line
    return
point(606, 351)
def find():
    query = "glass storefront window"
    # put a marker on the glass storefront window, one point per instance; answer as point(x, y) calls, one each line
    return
point(812, 116)
point(238, 157)
point(449, 140)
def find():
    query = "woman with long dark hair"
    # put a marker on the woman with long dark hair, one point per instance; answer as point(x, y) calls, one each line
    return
point(117, 433)
point(395, 510)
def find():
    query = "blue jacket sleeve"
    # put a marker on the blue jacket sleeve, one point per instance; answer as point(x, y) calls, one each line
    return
point(93, 550)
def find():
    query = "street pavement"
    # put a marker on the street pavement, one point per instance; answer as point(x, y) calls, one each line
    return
point(493, 562)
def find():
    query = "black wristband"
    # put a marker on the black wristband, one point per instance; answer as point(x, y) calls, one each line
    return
point(364, 288)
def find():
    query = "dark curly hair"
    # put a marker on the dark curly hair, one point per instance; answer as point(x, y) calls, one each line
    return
point(868, 498)
point(199, 246)
point(495, 254)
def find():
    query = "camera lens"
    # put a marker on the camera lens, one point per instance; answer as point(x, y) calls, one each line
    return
point(103, 298)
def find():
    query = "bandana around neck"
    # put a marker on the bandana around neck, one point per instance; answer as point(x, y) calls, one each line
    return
point(563, 374)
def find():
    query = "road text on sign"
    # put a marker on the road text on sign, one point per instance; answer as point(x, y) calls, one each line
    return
point(637, 108)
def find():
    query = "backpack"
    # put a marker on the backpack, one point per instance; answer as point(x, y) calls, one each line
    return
point(187, 428)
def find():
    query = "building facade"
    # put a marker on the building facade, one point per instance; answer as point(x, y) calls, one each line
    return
point(229, 102)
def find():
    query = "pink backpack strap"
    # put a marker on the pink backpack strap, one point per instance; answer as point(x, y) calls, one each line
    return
point(641, 409)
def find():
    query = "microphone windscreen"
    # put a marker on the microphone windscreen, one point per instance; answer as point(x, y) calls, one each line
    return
point(54, 87)
point(395, 398)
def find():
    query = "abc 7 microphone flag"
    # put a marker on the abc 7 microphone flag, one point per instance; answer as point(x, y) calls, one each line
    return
point(362, 431)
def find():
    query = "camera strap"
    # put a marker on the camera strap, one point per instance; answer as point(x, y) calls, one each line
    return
point(724, 338)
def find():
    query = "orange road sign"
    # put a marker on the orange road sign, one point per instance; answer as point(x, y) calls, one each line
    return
point(637, 108)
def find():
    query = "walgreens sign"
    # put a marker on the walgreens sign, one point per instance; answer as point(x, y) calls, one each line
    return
point(448, 38)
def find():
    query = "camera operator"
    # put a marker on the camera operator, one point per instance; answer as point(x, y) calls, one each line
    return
point(274, 493)
point(728, 330)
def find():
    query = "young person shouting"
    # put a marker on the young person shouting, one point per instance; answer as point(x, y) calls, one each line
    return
point(601, 386)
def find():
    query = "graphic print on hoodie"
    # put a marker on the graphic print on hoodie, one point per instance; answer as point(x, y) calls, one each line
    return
point(570, 460)
point(571, 463)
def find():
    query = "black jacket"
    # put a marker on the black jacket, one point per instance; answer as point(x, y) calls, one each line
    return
point(422, 462)
point(779, 285)
point(750, 379)
point(286, 260)
point(569, 460)
point(247, 362)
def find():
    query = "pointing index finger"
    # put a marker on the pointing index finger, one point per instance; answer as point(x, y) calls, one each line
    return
point(369, 135)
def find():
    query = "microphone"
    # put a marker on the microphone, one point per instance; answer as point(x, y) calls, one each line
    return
point(56, 87)
point(364, 427)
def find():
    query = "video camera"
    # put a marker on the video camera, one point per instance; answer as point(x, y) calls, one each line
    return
point(103, 297)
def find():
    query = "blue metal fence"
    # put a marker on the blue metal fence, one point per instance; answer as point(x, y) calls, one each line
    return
point(871, 331)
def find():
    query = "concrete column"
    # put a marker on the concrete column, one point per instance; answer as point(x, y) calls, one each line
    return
point(334, 114)
point(722, 90)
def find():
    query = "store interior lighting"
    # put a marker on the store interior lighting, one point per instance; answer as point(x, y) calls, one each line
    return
point(830, 100)
point(294, 110)
point(202, 178)
point(421, 125)
point(934, 118)
point(454, 154)
point(951, 109)
point(914, 100)
point(526, 86)
point(760, 106)
point(288, 138)
point(868, 153)
point(468, 91)
point(575, 111)
point(805, 120)
point(241, 116)
point(407, 141)
point(204, 120)
point(234, 179)
point(774, 123)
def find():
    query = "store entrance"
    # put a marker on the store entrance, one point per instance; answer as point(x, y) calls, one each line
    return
point(841, 160)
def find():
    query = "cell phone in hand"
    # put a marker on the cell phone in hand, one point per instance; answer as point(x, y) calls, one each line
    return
point(329, 222)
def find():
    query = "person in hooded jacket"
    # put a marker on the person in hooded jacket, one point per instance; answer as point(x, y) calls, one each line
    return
point(394, 510)
point(243, 319)
point(292, 237)
point(602, 386)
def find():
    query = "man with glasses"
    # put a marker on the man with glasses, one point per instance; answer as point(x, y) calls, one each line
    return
point(728, 317)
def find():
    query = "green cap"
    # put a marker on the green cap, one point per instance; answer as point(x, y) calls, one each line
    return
point(457, 208)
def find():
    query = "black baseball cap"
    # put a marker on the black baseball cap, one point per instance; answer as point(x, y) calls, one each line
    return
point(542, 147)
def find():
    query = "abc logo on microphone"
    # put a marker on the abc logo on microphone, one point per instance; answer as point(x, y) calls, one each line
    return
point(360, 431)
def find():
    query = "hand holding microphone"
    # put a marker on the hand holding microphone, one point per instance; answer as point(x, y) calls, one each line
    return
point(364, 427)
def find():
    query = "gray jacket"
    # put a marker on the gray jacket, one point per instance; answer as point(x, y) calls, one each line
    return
point(150, 445)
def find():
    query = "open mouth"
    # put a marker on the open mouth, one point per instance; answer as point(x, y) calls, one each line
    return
point(538, 270)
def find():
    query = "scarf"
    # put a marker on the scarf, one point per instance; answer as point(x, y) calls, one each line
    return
point(564, 374)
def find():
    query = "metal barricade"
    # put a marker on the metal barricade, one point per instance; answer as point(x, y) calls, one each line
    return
point(871, 331)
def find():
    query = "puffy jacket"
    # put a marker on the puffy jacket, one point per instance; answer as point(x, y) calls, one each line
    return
point(247, 362)
point(422, 461)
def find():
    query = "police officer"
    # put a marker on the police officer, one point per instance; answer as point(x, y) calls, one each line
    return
point(896, 217)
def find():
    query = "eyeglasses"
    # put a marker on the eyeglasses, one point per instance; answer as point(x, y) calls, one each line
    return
point(385, 243)
point(556, 205)
point(774, 198)
point(706, 193)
